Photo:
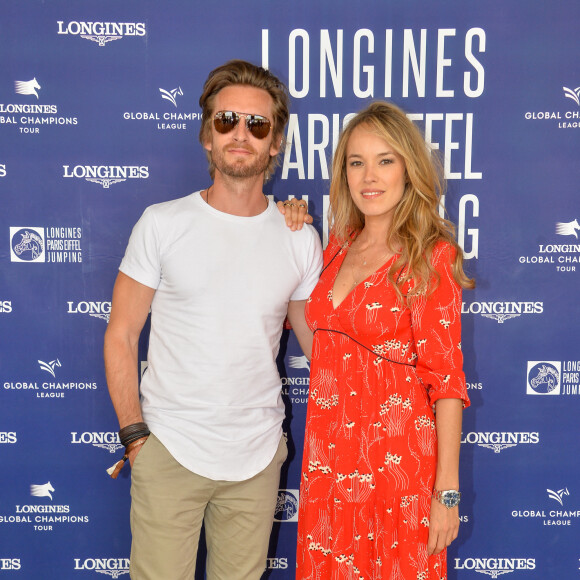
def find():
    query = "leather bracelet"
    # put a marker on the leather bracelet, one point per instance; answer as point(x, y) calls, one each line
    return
point(133, 432)
point(114, 470)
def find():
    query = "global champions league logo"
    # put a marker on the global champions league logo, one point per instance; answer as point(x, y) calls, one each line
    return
point(573, 94)
point(566, 119)
point(165, 120)
point(550, 516)
point(50, 366)
point(171, 96)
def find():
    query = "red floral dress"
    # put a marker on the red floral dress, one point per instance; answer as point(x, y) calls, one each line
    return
point(370, 448)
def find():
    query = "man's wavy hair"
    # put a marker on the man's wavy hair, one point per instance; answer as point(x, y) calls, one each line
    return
point(417, 226)
point(240, 72)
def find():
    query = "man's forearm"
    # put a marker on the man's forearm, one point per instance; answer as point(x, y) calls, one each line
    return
point(122, 378)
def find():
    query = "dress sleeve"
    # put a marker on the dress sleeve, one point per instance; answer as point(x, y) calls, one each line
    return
point(436, 323)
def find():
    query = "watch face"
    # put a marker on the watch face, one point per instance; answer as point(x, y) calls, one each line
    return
point(450, 498)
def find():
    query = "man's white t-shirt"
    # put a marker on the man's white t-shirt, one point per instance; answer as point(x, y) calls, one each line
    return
point(212, 392)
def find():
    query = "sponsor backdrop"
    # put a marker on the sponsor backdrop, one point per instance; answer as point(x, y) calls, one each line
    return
point(99, 118)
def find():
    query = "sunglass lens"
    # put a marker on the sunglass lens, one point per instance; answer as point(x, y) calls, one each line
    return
point(224, 122)
point(258, 126)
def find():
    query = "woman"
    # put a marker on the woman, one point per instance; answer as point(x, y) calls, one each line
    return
point(379, 490)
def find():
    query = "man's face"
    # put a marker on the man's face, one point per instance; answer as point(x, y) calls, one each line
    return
point(238, 153)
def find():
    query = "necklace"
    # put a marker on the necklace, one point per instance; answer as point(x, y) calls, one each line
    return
point(366, 269)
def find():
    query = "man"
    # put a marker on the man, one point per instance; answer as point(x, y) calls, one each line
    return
point(220, 270)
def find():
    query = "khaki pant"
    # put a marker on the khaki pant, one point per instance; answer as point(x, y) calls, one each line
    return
point(169, 504)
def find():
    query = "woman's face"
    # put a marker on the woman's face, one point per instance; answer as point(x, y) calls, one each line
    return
point(375, 174)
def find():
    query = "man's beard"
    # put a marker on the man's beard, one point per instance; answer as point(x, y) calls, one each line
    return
point(241, 168)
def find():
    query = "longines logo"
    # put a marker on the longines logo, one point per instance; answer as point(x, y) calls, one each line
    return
point(497, 441)
point(61, 245)
point(563, 256)
point(2, 170)
point(548, 515)
point(114, 567)
point(495, 567)
point(502, 311)
point(108, 440)
point(100, 310)
point(106, 175)
point(566, 119)
point(8, 437)
point(553, 378)
point(5, 306)
point(277, 564)
point(10, 563)
point(102, 32)
point(172, 121)
point(474, 386)
point(33, 116)
point(43, 515)
point(287, 505)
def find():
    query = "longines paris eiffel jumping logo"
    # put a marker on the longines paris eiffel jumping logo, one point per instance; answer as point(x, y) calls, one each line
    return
point(287, 506)
point(553, 378)
point(543, 378)
point(27, 244)
point(51, 244)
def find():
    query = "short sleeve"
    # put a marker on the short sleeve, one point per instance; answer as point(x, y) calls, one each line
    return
point(312, 266)
point(142, 260)
point(436, 323)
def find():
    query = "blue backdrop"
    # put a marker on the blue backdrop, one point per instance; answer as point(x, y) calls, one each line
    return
point(99, 119)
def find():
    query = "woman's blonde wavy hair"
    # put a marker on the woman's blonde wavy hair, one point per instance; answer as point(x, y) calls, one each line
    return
point(417, 226)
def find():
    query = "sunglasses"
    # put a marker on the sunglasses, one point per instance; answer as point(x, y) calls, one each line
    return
point(226, 121)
